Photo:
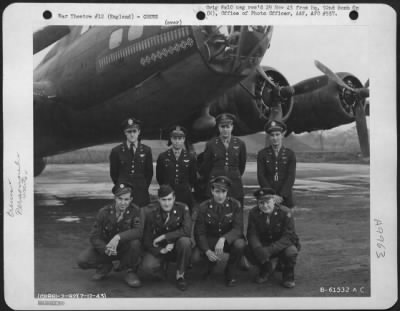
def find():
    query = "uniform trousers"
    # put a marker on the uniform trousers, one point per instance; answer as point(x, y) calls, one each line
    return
point(181, 253)
point(129, 254)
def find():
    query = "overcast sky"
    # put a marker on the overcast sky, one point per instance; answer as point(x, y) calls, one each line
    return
point(341, 48)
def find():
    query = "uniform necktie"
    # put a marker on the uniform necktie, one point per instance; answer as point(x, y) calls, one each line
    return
point(276, 152)
point(120, 216)
point(132, 148)
point(219, 210)
point(226, 143)
point(166, 219)
point(177, 154)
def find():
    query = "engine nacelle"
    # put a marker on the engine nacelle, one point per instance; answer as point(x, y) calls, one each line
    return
point(240, 101)
point(324, 108)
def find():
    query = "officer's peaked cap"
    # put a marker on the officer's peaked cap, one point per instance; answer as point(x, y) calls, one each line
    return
point(225, 118)
point(177, 131)
point(122, 188)
point(274, 125)
point(264, 193)
point(131, 123)
point(221, 182)
point(164, 191)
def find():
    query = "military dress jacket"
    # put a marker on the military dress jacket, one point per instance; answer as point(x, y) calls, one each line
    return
point(218, 220)
point(276, 231)
point(177, 225)
point(135, 169)
point(278, 173)
point(229, 162)
point(105, 227)
point(179, 173)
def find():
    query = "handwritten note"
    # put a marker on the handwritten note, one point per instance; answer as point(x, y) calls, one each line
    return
point(380, 239)
point(17, 189)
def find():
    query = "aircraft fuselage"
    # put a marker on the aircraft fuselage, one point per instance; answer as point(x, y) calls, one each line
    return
point(91, 81)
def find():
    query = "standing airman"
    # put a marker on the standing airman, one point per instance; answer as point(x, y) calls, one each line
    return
point(132, 162)
point(225, 155)
point(177, 167)
point(276, 164)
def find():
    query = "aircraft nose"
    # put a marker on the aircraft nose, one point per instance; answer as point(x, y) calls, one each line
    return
point(233, 49)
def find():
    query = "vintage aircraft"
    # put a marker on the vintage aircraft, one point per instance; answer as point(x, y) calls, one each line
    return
point(96, 76)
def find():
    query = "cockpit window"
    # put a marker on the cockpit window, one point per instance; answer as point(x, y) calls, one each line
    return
point(85, 28)
point(115, 39)
point(135, 32)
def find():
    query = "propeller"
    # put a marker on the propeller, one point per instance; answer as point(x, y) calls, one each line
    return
point(357, 97)
point(366, 85)
point(282, 93)
point(361, 92)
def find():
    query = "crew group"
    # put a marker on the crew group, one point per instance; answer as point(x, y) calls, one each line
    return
point(136, 232)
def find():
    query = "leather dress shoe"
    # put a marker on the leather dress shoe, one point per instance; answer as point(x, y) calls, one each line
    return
point(181, 284)
point(262, 278)
point(230, 282)
point(132, 279)
point(289, 284)
point(288, 278)
point(265, 272)
point(102, 272)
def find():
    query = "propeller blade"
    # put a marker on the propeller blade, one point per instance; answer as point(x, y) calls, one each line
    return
point(367, 107)
point(266, 78)
point(367, 84)
point(333, 76)
point(362, 129)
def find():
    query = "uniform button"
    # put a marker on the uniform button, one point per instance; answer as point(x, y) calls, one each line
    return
point(176, 165)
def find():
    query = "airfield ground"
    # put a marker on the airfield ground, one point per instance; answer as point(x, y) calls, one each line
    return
point(332, 220)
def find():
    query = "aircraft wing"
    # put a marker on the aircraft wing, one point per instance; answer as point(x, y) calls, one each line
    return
point(317, 103)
